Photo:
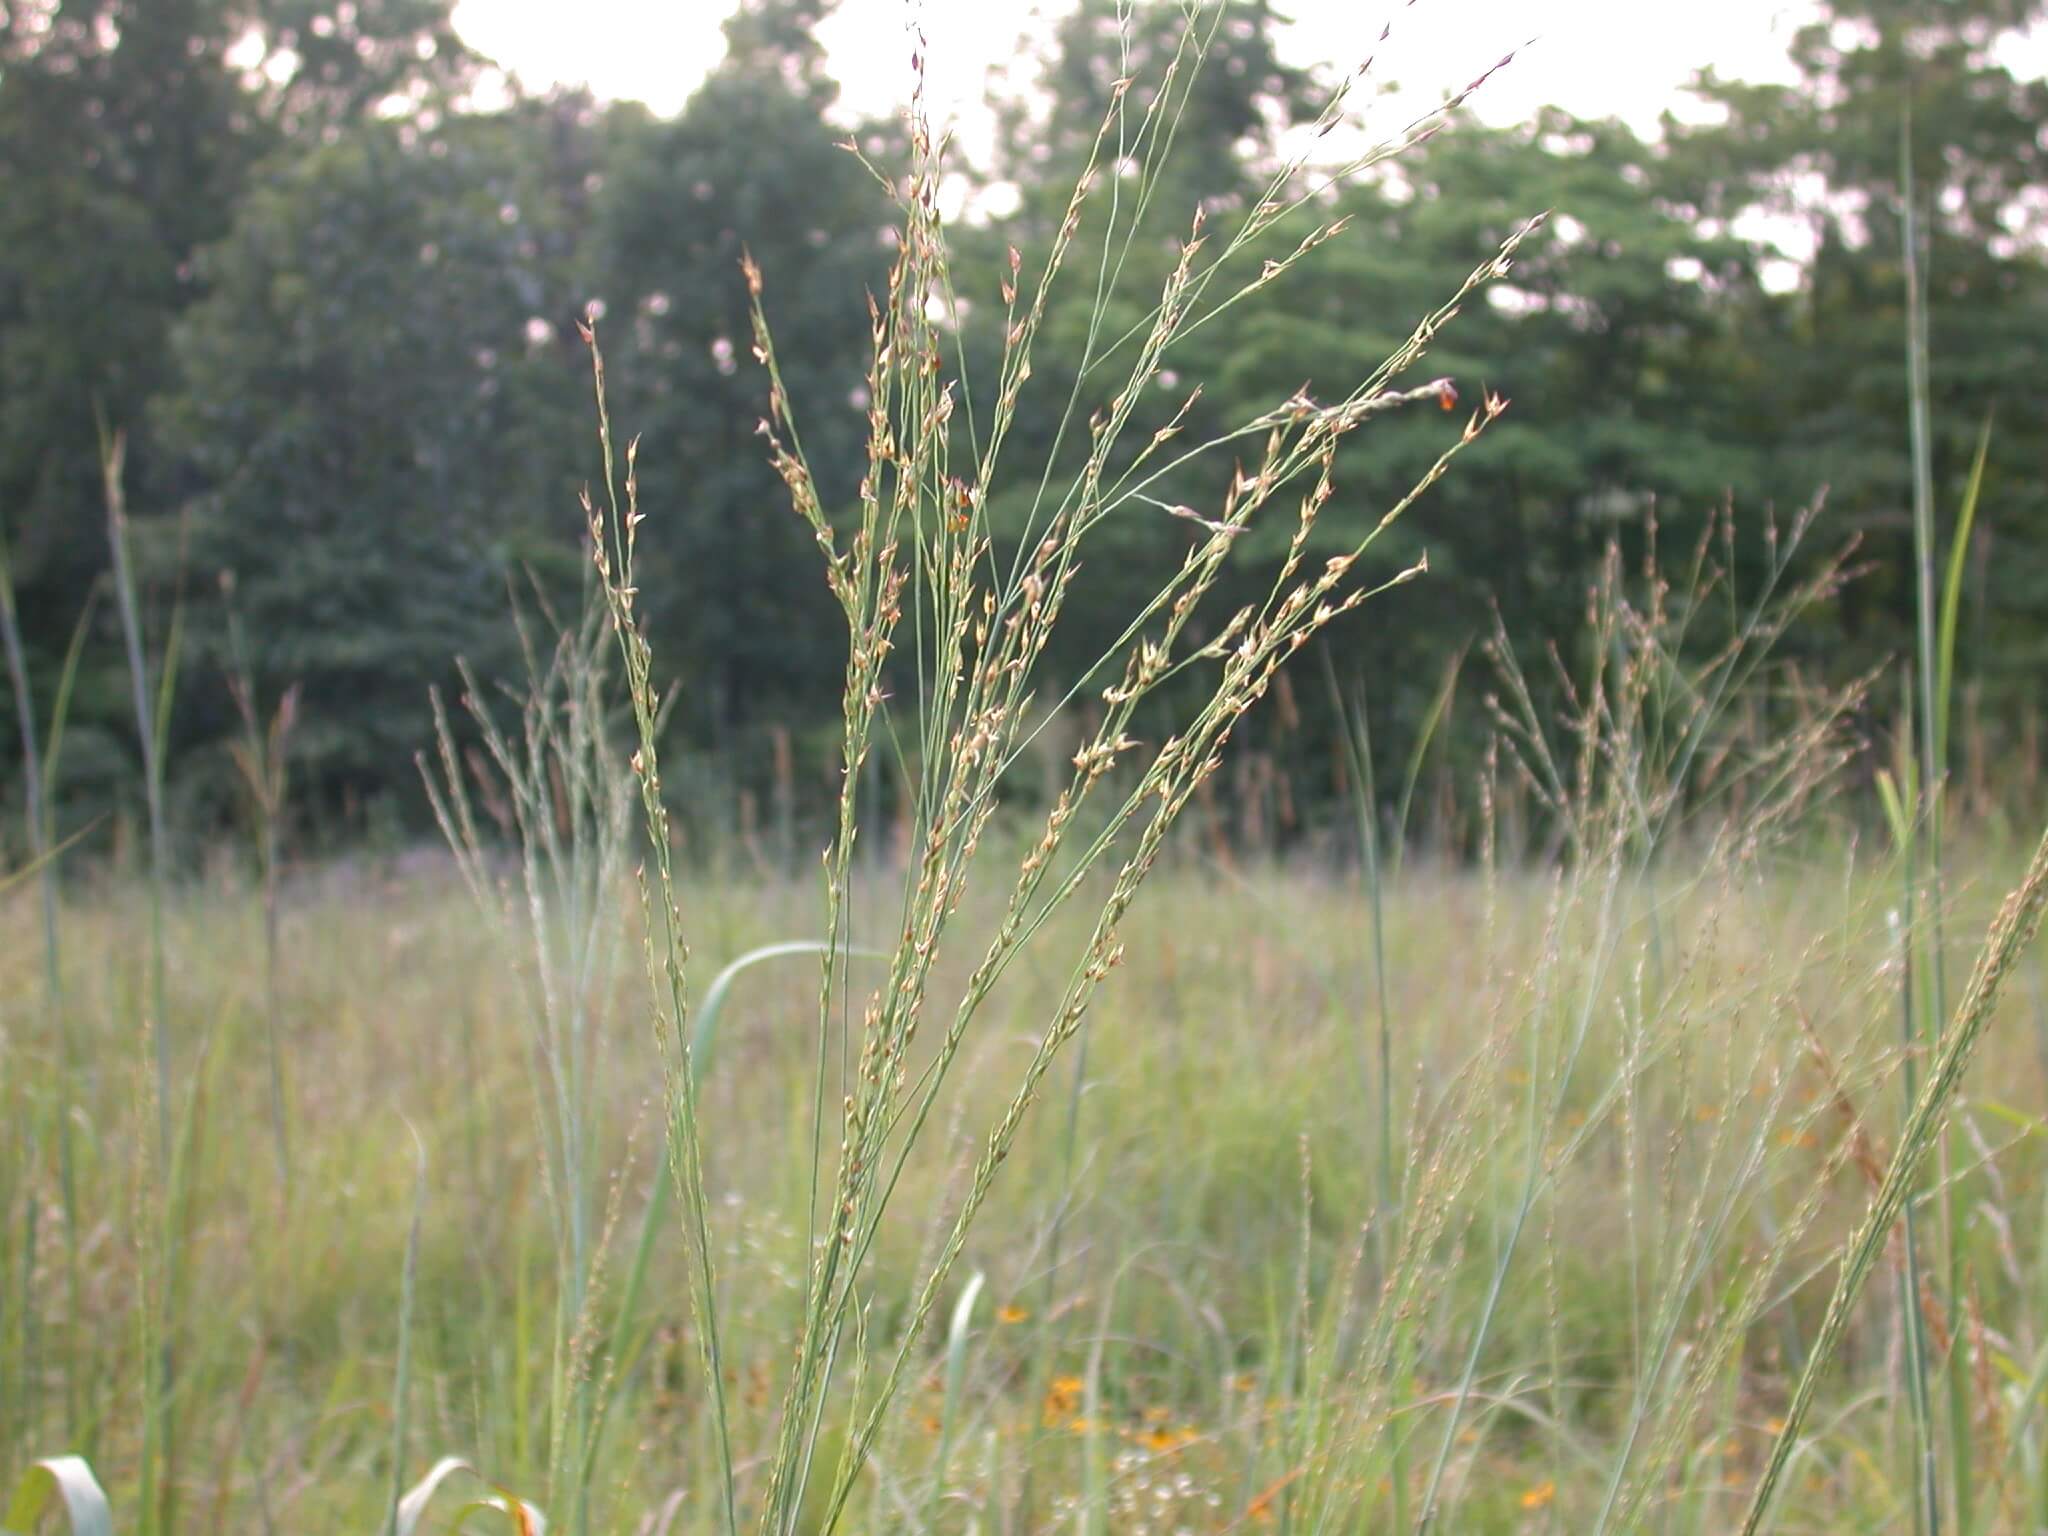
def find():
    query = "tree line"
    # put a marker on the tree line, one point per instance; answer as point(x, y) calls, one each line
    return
point(332, 306)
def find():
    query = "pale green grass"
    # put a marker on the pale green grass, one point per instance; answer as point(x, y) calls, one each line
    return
point(1694, 1147)
point(1550, 1254)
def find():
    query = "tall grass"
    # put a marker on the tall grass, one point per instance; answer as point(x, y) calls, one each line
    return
point(548, 885)
point(1919, 835)
point(1533, 1239)
point(39, 772)
point(151, 696)
point(558, 792)
point(261, 758)
point(1217, 1046)
point(918, 559)
point(2014, 929)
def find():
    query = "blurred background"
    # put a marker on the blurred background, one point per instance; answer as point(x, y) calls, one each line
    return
point(321, 262)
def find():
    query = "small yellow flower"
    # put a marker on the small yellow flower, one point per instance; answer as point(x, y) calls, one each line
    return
point(1063, 1400)
point(1540, 1496)
point(1013, 1314)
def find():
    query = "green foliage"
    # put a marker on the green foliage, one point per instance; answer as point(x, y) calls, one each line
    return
point(749, 166)
point(1821, 158)
point(367, 387)
point(130, 134)
point(332, 305)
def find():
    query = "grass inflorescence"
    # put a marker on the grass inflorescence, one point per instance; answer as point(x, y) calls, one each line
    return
point(1544, 1191)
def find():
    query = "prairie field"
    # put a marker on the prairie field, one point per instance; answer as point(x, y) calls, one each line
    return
point(1635, 1114)
point(1212, 788)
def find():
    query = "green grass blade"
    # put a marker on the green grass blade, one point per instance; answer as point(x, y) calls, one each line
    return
point(1952, 595)
point(14, 877)
point(2012, 931)
point(60, 705)
point(396, 1523)
point(56, 1481)
point(167, 681)
point(957, 1334)
point(24, 704)
point(1896, 816)
point(1439, 708)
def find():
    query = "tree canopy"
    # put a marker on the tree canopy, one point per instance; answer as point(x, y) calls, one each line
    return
point(333, 302)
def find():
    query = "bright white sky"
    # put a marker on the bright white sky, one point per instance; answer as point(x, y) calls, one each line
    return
point(1627, 58)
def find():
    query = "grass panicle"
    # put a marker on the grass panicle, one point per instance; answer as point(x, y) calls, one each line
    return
point(1383, 1190)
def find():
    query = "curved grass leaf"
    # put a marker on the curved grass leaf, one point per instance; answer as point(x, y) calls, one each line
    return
point(704, 1037)
point(1952, 596)
point(65, 1480)
point(956, 1374)
point(519, 1516)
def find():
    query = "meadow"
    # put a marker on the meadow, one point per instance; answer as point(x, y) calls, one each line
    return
point(1636, 1126)
point(1636, 1118)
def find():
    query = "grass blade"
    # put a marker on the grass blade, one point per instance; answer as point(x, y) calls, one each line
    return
point(957, 1333)
point(2018, 920)
point(398, 1523)
point(1952, 595)
point(56, 1481)
point(521, 1517)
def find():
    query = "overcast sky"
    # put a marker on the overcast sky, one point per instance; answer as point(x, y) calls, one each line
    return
point(1596, 57)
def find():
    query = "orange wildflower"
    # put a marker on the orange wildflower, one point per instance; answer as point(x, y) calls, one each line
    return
point(1063, 1400)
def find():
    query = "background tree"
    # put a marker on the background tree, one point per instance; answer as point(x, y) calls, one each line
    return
point(1816, 169)
point(752, 164)
point(123, 147)
point(332, 300)
point(381, 395)
point(130, 131)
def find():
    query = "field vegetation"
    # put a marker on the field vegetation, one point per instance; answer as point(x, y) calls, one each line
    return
point(1611, 1099)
